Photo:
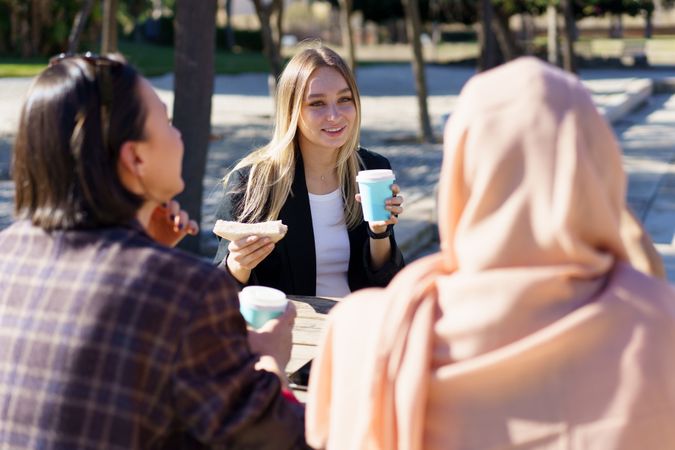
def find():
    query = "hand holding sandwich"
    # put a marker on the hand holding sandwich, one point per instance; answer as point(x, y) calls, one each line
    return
point(245, 254)
point(250, 243)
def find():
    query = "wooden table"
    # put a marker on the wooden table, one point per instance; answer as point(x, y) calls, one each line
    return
point(308, 328)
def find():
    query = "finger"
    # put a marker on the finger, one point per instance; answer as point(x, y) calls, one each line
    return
point(381, 224)
point(180, 221)
point(289, 313)
point(260, 254)
point(358, 197)
point(193, 228)
point(398, 200)
point(242, 243)
point(172, 209)
point(395, 210)
point(250, 260)
point(395, 189)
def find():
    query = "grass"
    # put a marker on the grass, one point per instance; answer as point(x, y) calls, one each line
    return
point(151, 60)
point(154, 60)
point(16, 67)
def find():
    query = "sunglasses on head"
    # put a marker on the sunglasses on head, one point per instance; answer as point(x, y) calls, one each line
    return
point(102, 66)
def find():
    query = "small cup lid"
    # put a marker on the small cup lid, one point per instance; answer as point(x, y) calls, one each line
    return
point(263, 297)
point(375, 175)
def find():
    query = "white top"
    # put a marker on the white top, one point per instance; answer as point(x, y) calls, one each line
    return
point(331, 243)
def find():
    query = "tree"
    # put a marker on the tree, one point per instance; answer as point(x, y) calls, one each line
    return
point(78, 25)
point(195, 24)
point(505, 38)
point(109, 37)
point(569, 58)
point(489, 53)
point(346, 7)
point(414, 29)
point(552, 34)
point(271, 36)
point(229, 31)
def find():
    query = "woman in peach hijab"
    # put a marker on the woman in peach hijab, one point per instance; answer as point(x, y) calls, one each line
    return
point(529, 329)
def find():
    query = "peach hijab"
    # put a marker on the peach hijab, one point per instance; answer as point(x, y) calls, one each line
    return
point(527, 330)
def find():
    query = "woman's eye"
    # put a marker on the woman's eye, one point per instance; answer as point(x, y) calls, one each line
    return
point(345, 99)
point(317, 103)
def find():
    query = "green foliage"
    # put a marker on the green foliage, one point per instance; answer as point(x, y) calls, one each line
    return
point(48, 24)
point(379, 10)
point(582, 8)
point(248, 40)
point(602, 7)
point(158, 31)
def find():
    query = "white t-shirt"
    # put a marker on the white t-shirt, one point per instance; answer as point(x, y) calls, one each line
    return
point(331, 243)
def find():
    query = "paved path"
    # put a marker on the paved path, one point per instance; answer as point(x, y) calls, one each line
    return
point(242, 120)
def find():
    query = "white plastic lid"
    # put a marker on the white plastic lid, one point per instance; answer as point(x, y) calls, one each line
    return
point(263, 298)
point(375, 175)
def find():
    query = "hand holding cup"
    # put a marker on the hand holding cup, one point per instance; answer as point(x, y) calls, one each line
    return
point(270, 331)
point(379, 198)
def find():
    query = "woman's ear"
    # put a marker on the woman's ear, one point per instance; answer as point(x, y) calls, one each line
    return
point(129, 167)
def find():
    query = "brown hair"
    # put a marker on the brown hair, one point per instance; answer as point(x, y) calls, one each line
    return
point(65, 174)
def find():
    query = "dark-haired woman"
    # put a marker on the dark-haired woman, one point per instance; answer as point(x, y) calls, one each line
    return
point(110, 338)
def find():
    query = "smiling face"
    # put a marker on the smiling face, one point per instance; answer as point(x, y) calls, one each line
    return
point(328, 112)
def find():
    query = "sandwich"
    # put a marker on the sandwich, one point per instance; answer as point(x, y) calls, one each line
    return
point(233, 231)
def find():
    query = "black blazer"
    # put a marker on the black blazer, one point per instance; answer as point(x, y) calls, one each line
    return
point(291, 267)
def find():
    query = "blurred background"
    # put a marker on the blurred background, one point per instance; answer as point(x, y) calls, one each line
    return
point(602, 31)
point(215, 64)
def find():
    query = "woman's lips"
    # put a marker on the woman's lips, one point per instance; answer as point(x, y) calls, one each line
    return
point(334, 131)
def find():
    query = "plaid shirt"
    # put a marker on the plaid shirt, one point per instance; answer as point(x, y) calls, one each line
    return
point(111, 341)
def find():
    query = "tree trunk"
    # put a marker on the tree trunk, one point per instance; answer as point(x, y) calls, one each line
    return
point(527, 33)
point(347, 32)
point(649, 25)
point(78, 26)
point(109, 38)
point(505, 39)
point(553, 42)
point(569, 58)
point(616, 26)
point(36, 25)
point(195, 26)
point(414, 28)
point(271, 47)
point(24, 32)
point(278, 31)
point(489, 56)
point(229, 31)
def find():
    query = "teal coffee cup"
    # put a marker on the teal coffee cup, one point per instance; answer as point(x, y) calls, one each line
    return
point(375, 189)
point(258, 304)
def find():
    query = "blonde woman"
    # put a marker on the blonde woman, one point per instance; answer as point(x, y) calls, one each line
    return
point(306, 177)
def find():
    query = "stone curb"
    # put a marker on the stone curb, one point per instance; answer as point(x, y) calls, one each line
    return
point(636, 93)
point(417, 226)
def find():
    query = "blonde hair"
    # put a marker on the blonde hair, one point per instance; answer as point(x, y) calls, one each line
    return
point(272, 167)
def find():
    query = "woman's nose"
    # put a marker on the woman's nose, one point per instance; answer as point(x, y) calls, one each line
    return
point(332, 111)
